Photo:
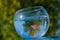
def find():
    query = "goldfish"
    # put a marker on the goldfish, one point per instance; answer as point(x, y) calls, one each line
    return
point(34, 26)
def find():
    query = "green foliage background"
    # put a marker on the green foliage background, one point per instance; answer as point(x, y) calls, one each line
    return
point(9, 7)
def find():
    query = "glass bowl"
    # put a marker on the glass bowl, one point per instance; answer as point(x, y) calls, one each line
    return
point(31, 22)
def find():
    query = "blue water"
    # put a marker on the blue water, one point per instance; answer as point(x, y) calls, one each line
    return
point(43, 26)
point(47, 38)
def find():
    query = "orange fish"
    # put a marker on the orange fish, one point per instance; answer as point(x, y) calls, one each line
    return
point(34, 26)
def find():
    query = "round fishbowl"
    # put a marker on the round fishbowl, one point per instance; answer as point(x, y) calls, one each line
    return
point(31, 22)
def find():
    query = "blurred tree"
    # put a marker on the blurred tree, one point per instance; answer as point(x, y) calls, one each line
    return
point(9, 7)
